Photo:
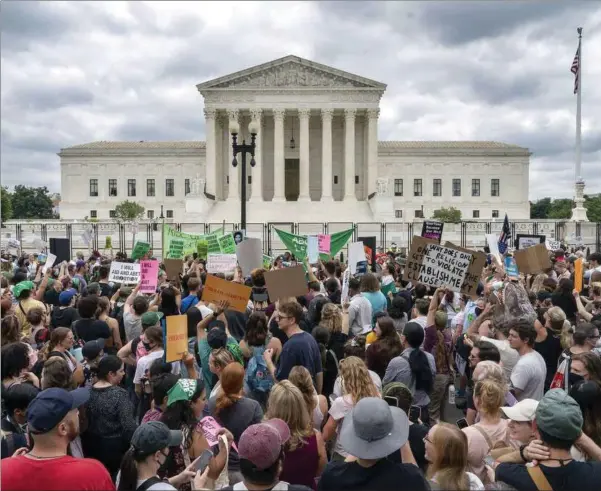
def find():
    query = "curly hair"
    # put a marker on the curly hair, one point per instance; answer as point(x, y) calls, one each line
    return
point(230, 392)
point(301, 378)
point(331, 317)
point(356, 380)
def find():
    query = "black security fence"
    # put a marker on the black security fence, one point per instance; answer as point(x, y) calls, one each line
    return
point(122, 236)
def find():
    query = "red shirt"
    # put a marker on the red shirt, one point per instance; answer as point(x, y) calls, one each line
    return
point(63, 474)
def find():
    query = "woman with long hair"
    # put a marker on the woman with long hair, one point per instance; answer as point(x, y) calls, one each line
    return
point(113, 343)
point(169, 301)
point(398, 313)
point(305, 452)
point(110, 414)
point(356, 384)
point(317, 404)
point(218, 360)
point(385, 348)
point(446, 452)
point(331, 319)
point(61, 341)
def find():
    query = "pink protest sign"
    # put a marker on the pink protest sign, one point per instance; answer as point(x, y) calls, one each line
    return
point(210, 429)
point(323, 242)
point(149, 273)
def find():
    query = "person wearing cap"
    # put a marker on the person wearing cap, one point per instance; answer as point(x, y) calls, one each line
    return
point(92, 353)
point(25, 301)
point(65, 314)
point(53, 422)
point(558, 421)
point(370, 433)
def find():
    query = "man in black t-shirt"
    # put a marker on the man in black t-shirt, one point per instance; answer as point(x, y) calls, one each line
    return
point(87, 328)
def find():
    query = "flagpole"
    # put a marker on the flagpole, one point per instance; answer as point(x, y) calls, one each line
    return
point(579, 211)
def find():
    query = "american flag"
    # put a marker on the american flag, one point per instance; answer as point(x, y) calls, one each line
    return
point(504, 236)
point(576, 69)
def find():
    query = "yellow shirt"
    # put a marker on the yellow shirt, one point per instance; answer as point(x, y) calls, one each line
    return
point(371, 338)
point(21, 310)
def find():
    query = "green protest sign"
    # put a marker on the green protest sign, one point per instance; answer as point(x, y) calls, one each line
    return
point(297, 244)
point(177, 245)
point(267, 260)
point(213, 242)
point(140, 250)
point(227, 244)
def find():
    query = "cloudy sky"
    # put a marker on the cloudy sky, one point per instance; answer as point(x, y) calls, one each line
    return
point(75, 72)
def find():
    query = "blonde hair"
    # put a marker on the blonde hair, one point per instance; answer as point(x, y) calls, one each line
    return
point(286, 402)
point(331, 318)
point(450, 463)
point(301, 378)
point(557, 317)
point(537, 284)
point(356, 380)
point(566, 335)
point(488, 369)
point(491, 396)
point(221, 357)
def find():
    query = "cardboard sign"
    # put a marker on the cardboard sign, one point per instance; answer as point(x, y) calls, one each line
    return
point(173, 268)
point(227, 244)
point(140, 250)
point(324, 243)
point(125, 273)
point(149, 276)
point(578, 274)
point(511, 268)
point(553, 245)
point(525, 241)
point(435, 265)
point(472, 278)
point(176, 342)
point(216, 290)
point(221, 263)
point(532, 260)
point(312, 249)
point(250, 255)
point(50, 260)
point(432, 230)
point(286, 282)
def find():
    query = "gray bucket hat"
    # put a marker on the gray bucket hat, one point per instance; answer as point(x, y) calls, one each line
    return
point(154, 436)
point(373, 429)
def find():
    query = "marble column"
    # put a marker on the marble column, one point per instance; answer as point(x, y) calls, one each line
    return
point(211, 155)
point(234, 172)
point(372, 150)
point(326, 154)
point(279, 177)
point(349, 154)
point(257, 170)
point(304, 115)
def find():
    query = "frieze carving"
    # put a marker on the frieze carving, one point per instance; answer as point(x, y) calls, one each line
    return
point(240, 97)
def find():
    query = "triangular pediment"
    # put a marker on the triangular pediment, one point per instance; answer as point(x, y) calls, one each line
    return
point(291, 72)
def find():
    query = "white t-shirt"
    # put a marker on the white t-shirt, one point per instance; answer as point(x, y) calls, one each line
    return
point(337, 391)
point(340, 408)
point(509, 356)
point(528, 375)
point(144, 363)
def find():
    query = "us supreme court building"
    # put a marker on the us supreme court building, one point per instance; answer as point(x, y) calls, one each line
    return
point(318, 159)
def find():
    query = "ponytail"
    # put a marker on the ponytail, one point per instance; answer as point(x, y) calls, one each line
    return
point(232, 382)
point(421, 371)
point(128, 479)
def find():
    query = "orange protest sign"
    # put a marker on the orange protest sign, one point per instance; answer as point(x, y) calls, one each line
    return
point(217, 290)
point(177, 337)
point(578, 274)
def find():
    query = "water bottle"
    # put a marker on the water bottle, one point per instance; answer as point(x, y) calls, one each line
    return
point(452, 394)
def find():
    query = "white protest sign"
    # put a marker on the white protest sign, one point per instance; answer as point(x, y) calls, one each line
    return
point(14, 243)
point(87, 237)
point(356, 253)
point(312, 249)
point(493, 244)
point(442, 266)
point(221, 263)
point(125, 273)
point(250, 255)
point(553, 245)
point(345, 279)
point(39, 244)
point(50, 260)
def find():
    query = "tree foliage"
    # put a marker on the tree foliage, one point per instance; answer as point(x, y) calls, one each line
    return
point(593, 207)
point(31, 203)
point(447, 215)
point(129, 210)
point(6, 204)
point(561, 209)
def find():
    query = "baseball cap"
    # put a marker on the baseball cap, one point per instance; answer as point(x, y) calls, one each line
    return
point(151, 318)
point(154, 436)
point(559, 415)
point(50, 407)
point(523, 411)
point(22, 287)
point(261, 444)
point(66, 296)
point(92, 349)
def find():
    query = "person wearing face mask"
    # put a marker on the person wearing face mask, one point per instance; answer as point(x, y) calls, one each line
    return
point(585, 338)
point(52, 420)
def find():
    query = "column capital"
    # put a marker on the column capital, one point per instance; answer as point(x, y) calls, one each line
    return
point(350, 113)
point(279, 113)
point(210, 112)
point(304, 112)
point(233, 114)
point(327, 113)
point(256, 114)
point(373, 113)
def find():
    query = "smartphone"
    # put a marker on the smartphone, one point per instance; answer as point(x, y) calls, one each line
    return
point(488, 460)
point(200, 464)
point(462, 423)
point(392, 401)
point(415, 413)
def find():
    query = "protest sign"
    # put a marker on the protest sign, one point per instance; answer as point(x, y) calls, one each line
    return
point(297, 244)
point(533, 260)
point(227, 244)
point(177, 245)
point(525, 241)
point(221, 263)
point(50, 259)
point(239, 236)
point(14, 243)
point(578, 274)
point(173, 268)
point(286, 282)
point(472, 278)
point(432, 230)
point(210, 429)
point(267, 260)
point(125, 273)
point(369, 248)
point(324, 243)
point(149, 276)
point(553, 245)
point(435, 265)
point(140, 250)
point(492, 240)
point(212, 240)
point(176, 337)
point(312, 249)
point(356, 254)
point(215, 290)
point(250, 255)
point(511, 268)
point(346, 276)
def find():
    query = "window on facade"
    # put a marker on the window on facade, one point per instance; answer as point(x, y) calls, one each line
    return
point(169, 187)
point(475, 187)
point(356, 179)
point(169, 213)
point(495, 187)
point(495, 213)
point(93, 214)
point(398, 187)
point(93, 187)
point(187, 187)
point(456, 187)
point(419, 214)
point(150, 187)
point(150, 214)
point(398, 213)
point(112, 187)
point(112, 214)
point(335, 179)
point(437, 187)
point(250, 179)
point(417, 187)
point(227, 179)
point(131, 187)
point(476, 214)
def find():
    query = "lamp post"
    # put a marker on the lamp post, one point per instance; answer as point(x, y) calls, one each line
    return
point(243, 148)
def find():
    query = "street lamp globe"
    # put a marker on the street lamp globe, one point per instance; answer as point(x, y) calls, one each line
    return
point(234, 127)
point(253, 127)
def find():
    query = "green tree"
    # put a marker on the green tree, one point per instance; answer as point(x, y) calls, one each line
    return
point(447, 215)
point(561, 209)
point(129, 210)
point(6, 204)
point(31, 203)
point(540, 209)
point(593, 207)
